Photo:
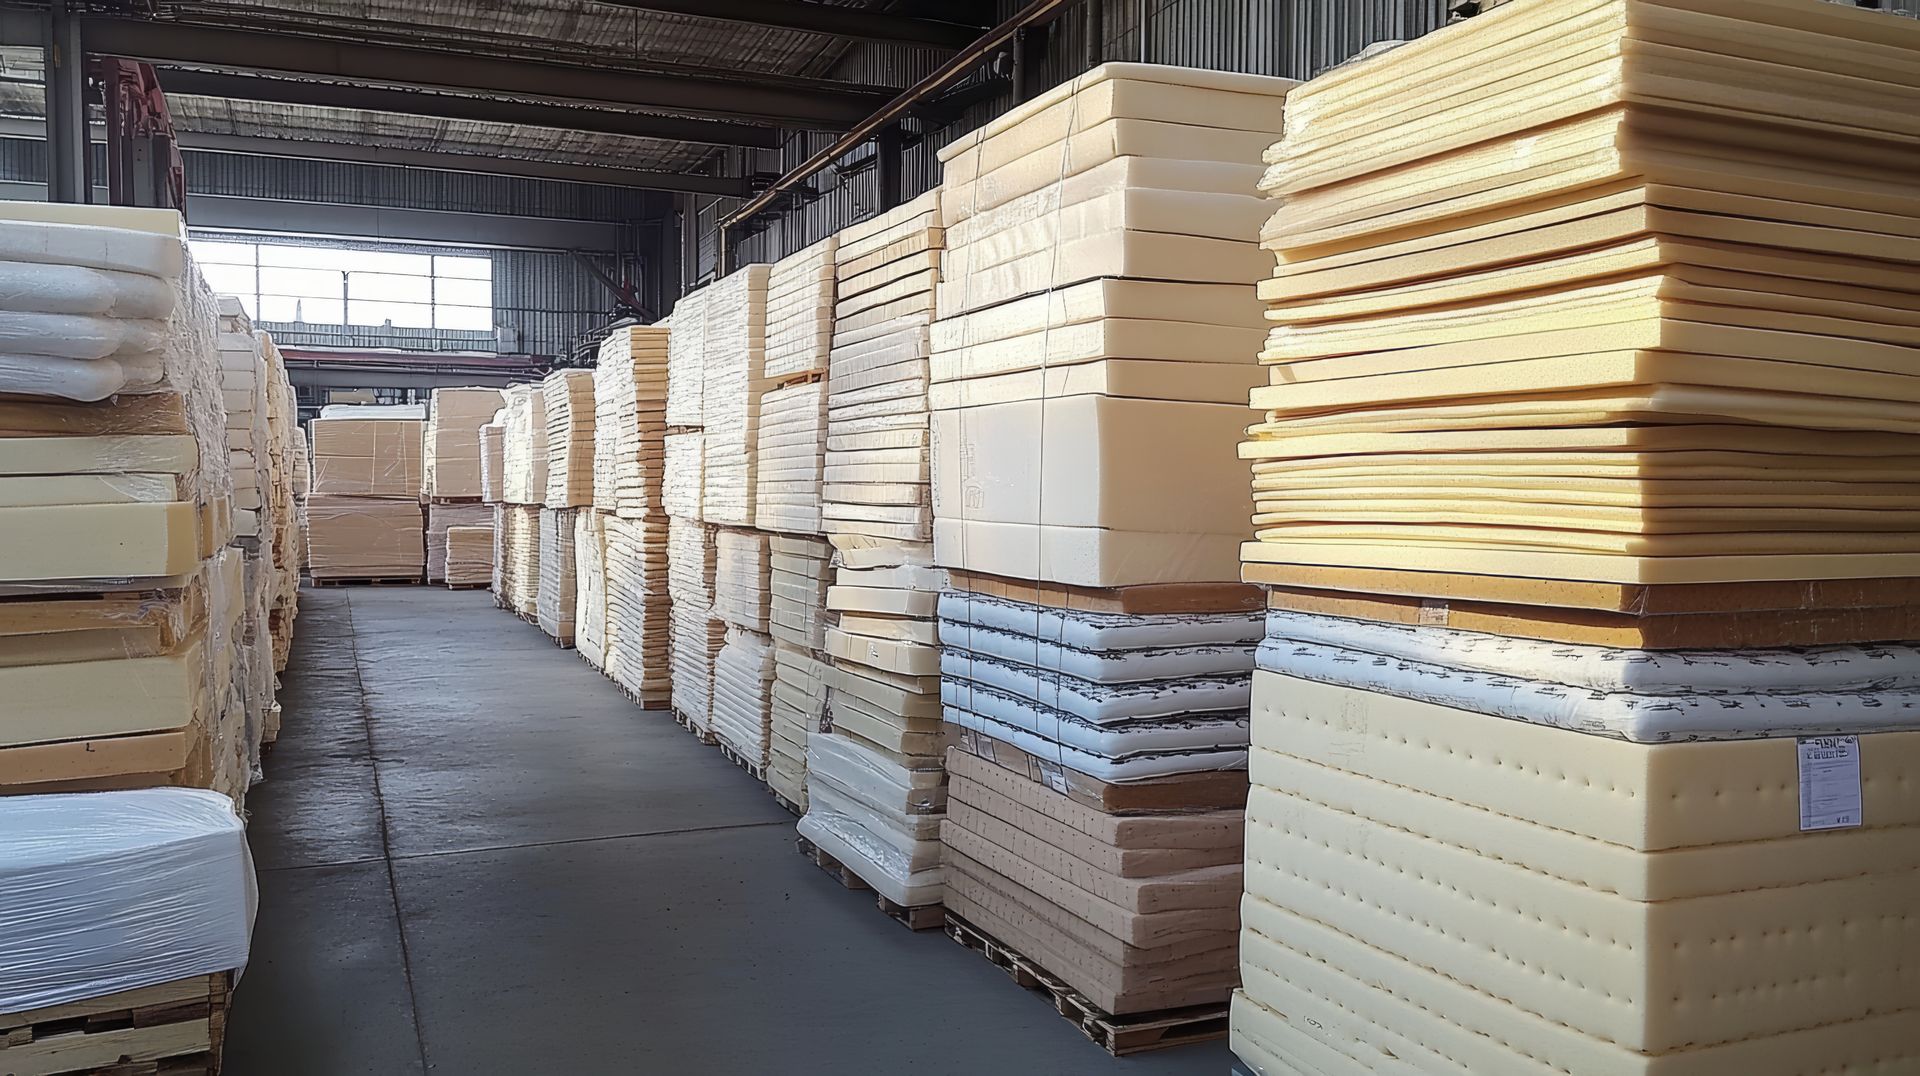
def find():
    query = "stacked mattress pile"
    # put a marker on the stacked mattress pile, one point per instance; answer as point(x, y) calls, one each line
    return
point(569, 413)
point(1093, 343)
point(630, 395)
point(735, 346)
point(590, 587)
point(557, 590)
point(696, 634)
point(470, 556)
point(743, 671)
point(1584, 490)
point(523, 456)
point(797, 620)
point(793, 417)
point(121, 601)
point(875, 778)
point(364, 518)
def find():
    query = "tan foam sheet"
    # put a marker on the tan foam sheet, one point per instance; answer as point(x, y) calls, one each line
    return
point(1876, 526)
point(1112, 338)
point(1640, 450)
point(1084, 556)
point(1183, 382)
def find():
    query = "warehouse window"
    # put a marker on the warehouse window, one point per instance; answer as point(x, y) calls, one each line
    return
point(337, 286)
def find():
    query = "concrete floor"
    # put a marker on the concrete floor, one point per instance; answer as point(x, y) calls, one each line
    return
point(476, 857)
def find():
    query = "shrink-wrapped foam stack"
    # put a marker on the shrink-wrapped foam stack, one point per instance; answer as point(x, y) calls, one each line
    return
point(470, 554)
point(569, 414)
point(364, 518)
point(557, 587)
point(743, 674)
point(517, 559)
point(801, 570)
point(590, 587)
point(1580, 734)
point(493, 459)
point(697, 634)
point(1093, 341)
point(452, 456)
point(523, 445)
point(735, 345)
point(124, 610)
point(442, 517)
point(800, 292)
point(630, 464)
point(792, 453)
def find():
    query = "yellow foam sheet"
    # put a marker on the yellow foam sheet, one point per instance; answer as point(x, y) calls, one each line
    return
point(1234, 216)
point(1794, 170)
point(1596, 526)
point(75, 700)
point(102, 454)
point(1098, 300)
point(1146, 255)
point(1509, 74)
point(1082, 462)
point(1627, 446)
point(1447, 550)
point(1617, 864)
point(1192, 382)
point(1673, 404)
point(1277, 487)
point(100, 541)
point(1111, 338)
point(44, 490)
point(1084, 556)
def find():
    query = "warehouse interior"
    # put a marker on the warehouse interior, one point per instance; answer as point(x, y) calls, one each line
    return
point(1273, 537)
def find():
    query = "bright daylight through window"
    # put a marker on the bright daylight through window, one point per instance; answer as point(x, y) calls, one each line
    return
point(320, 285)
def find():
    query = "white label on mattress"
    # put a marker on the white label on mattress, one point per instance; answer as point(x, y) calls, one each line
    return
point(1434, 612)
point(1829, 782)
point(1054, 775)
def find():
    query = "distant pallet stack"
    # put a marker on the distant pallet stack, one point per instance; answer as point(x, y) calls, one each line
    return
point(801, 569)
point(453, 463)
point(523, 494)
point(364, 519)
point(568, 409)
point(743, 671)
point(876, 782)
point(630, 395)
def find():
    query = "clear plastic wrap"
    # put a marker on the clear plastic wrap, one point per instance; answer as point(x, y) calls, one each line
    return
point(559, 584)
point(110, 891)
point(743, 693)
point(569, 415)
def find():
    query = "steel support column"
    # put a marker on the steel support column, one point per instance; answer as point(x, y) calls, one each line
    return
point(887, 153)
point(66, 68)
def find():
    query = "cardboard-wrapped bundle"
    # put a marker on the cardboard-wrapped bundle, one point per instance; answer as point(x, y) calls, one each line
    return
point(569, 414)
point(452, 456)
point(523, 446)
point(364, 538)
point(442, 517)
point(735, 342)
point(1581, 483)
point(800, 291)
point(639, 629)
point(558, 586)
point(590, 587)
point(697, 634)
point(469, 554)
point(364, 519)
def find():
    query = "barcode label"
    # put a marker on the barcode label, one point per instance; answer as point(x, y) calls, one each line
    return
point(1829, 782)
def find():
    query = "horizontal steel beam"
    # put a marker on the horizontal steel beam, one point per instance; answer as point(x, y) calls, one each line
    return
point(796, 102)
point(355, 377)
point(856, 24)
point(221, 212)
point(562, 117)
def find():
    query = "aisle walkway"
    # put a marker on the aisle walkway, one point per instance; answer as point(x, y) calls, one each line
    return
point(477, 858)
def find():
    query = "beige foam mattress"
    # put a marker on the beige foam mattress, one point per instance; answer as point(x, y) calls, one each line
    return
point(1676, 451)
point(1111, 338)
point(99, 541)
point(1084, 556)
point(114, 697)
point(1131, 379)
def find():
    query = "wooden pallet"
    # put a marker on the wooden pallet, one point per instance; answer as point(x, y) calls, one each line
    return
point(172, 1029)
point(469, 586)
point(1117, 1035)
point(793, 808)
point(371, 581)
point(758, 770)
point(686, 722)
point(917, 917)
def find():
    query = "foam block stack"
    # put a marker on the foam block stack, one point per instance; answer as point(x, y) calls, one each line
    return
point(630, 394)
point(590, 587)
point(800, 292)
point(743, 672)
point(523, 494)
point(453, 449)
point(569, 414)
point(797, 620)
point(875, 787)
point(697, 635)
point(364, 519)
point(1100, 245)
point(470, 554)
point(442, 518)
point(1097, 653)
point(286, 493)
point(1582, 492)
point(735, 344)
point(121, 601)
point(793, 417)
point(557, 590)
point(493, 459)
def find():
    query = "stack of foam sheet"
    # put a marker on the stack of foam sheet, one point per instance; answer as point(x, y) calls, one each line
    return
point(874, 482)
point(800, 292)
point(452, 457)
point(697, 635)
point(469, 555)
point(557, 589)
point(280, 532)
point(1100, 243)
point(1582, 489)
point(883, 698)
point(442, 517)
point(590, 587)
point(247, 384)
point(743, 695)
point(517, 559)
point(569, 414)
point(638, 654)
point(686, 361)
point(792, 453)
point(523, 445)
point(629, 399)
point(735, 344)
point(493, 460)
point(364, 518)
point(685, 455)
point(742, 564)
point(801, 572)
point(123, 608)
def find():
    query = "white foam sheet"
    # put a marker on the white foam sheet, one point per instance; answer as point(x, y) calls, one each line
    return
point(93, 247)
point(78, 289)
point(1100, 666)
point(1100, 631)
point(102, 892)
point(1098, 703)
point(1114, 764)
point(69, 379)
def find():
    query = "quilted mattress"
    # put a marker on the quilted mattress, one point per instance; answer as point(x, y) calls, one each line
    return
point(1503, 897)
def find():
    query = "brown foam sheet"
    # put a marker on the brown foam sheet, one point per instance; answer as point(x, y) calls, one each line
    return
point(1627, 598)
point(1593, 627)
point(1224, 790)
point(1165, 598)
point(1039, 808)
